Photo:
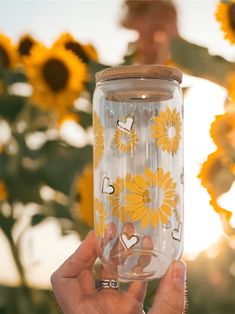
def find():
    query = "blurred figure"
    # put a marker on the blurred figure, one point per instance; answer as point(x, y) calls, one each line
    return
point(156, 23)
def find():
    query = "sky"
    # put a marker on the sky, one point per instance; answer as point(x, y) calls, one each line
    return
point(88, 21)
point(98, 22)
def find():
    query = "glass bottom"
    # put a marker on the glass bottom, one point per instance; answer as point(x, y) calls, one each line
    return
point(139, 265)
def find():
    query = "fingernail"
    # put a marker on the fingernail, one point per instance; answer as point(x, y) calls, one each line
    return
point(179, 274)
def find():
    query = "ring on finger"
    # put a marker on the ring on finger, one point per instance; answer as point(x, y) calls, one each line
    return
point(107, 284)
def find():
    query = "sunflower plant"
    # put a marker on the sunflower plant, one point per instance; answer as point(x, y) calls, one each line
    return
point(41, 89)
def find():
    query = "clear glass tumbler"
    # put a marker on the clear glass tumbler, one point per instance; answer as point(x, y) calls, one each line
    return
point(138, 169)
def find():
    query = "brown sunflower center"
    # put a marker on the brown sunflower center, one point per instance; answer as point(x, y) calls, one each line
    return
point(25, 47)
point(231, 14)
point(77, 49)
point(4, 58)
point(56, 74)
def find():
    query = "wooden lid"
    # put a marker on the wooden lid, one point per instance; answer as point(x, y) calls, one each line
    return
point(139, 71)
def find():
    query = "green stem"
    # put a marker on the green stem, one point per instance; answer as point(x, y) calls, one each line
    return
point(17, 260)
point(29, 305)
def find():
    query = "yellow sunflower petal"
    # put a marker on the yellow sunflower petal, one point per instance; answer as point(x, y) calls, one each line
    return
point(170, 202)
point(132, 187)
point(132, 207)
point(145, 220)
point(150, 176)
point(140, 182)
point(166, 209)
point(134, 198)
point(138, 214)
point(224, 16)
point(163, 218)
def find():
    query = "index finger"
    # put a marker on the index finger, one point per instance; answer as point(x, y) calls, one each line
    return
point(83, 258)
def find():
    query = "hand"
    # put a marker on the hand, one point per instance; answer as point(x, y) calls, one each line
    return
point(74, 288)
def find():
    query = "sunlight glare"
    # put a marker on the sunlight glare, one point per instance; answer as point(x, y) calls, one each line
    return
point(202, 225)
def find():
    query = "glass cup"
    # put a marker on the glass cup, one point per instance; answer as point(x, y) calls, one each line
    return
point(138, 169)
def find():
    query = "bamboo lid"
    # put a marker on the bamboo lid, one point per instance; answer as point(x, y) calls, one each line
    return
point(139, 71)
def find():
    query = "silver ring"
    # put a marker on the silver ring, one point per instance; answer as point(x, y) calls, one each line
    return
point(107, 284)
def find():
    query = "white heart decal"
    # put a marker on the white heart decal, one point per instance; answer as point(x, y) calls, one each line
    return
point(106, 187)
point(177, 233)
point(128, 242)
point(125, 124)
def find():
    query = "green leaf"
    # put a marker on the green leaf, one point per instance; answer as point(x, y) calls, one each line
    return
point(196, 60)
point(62, 163)
point(58, 210)
point(11, 106)
point(6, 223)
point(37, 219)
point(85, 119)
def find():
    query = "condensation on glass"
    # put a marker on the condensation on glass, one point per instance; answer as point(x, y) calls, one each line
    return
point(138, 169)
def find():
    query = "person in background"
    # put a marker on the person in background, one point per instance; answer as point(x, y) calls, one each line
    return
point(156, 24)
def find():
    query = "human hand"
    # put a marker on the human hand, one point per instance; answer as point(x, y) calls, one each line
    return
point(74, 287)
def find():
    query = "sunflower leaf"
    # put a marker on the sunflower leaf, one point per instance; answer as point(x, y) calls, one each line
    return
point(37, 219)
point(196, 60)
point(62, 163)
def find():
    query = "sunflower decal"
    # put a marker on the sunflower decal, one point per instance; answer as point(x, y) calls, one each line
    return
point(125, 141)
point(57, 77)
point(117, 199)
point(100, 217)
point(167, 130)
point(8, 54)
point(151, 198)
point(98, 148)
point(84, 52)
point(225, 14)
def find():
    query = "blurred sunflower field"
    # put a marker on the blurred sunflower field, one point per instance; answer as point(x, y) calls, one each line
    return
point(41, 90)
point(46, 141)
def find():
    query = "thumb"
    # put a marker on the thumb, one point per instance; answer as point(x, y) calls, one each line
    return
point(170, 298)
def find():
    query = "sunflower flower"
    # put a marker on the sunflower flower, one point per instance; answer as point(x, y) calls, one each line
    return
point(231, 87)
point(8, 55)
point(100, 217)
point(225, 15)
point(57, 77)
point(84, 193)
point(117, 199)
point(3, 191)
point(98, 148)
point(167, 130)
point(216, 176)
point(125, 142)
point(25, 45)
point(223, 132)
point(152, 197)
point(84, 52)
